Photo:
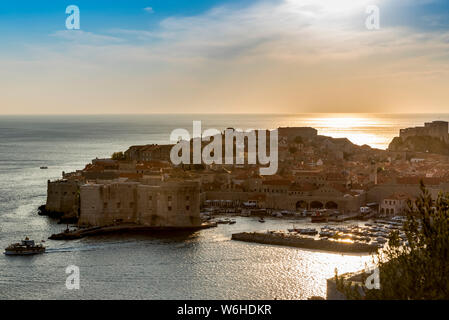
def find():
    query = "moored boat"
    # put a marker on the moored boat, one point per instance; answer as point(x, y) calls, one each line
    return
point(319, 216)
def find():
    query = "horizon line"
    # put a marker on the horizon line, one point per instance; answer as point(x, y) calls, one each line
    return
point(221, 113)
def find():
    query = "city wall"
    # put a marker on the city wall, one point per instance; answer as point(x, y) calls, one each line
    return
point(62, 196)
point(171, 204)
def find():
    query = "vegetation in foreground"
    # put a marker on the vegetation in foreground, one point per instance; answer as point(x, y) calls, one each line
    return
point(419, 271)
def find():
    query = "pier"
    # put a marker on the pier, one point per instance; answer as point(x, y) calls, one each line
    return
point(94, 231)
point(282, 239)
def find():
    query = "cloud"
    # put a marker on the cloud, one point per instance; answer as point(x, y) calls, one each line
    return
point(149, 9)
point(271, 56)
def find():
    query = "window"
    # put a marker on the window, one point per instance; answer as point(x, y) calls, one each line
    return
point(169, 208)
point(169, 198)
point(131, 204)
point(105, 205)
point(150, 198)
point(118, 205)
point(187, 198)
point(187, 208)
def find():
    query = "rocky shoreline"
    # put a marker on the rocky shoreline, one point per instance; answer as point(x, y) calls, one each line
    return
point(61, 216)
point(274, 238)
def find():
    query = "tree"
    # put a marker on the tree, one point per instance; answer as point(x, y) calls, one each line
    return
point(420, 269)
point(118, 156)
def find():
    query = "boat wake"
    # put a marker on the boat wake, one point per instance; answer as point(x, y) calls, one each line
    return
point(71, 249)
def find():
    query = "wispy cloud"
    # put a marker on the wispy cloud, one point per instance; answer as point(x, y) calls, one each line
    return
point(283, 55)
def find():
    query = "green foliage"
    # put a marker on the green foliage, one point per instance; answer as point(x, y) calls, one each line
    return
point(118, 156)
point(421, 269)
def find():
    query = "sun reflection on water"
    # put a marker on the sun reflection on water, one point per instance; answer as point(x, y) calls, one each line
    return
point(370, 130)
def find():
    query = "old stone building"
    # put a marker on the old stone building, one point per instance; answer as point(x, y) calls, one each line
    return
point(169, 204)
point(151, 152)
point(395, 204)
point(62, 196)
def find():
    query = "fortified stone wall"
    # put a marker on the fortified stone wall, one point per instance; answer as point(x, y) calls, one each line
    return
point(171, 204)
point(62, 196)
point(292, 202)
point(382, 191)
point(436, 129)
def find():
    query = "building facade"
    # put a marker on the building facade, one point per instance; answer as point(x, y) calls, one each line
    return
point(170, 204)
point(62, 196)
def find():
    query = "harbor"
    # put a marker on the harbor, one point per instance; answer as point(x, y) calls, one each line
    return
point(358, 238)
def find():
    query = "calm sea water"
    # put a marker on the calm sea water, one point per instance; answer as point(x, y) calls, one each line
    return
point(204, 265)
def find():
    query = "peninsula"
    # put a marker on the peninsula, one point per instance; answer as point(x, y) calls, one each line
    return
point(142, 187)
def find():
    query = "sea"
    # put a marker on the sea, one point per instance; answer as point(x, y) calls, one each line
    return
point(201, 265)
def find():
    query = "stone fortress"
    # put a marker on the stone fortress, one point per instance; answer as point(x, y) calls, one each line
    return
point(170, 204)
point(435, 129)
point(315, 172)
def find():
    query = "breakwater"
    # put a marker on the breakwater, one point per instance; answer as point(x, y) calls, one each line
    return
point(123, 228)
point(282, 239)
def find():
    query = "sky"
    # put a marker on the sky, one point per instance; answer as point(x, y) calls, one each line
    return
point(216, 56)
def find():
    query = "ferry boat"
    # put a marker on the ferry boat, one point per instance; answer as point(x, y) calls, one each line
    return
point(26, 247)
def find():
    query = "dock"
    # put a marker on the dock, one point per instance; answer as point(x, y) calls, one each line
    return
point(275, 238)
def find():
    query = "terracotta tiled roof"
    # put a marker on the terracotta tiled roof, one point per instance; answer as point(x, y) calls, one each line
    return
point(280, 182)
point(399, 196)
point(94, 168)
point(242, 176)
point(303, 187)
point(259, 197)
point(416, 180)
point(130, 175)
point(334, 176)
point(151, 165)
point(339, 187)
